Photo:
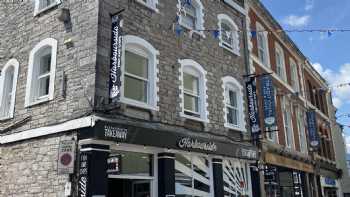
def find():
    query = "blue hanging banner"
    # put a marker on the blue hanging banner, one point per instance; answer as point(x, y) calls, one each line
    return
point(115, 61)
point(268, 94)
point(253, 106)
point(312, 129)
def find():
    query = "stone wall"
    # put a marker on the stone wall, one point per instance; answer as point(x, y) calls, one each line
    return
point(21, 31)
point(29, 168)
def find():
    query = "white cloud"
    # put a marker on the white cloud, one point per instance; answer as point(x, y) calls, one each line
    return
point(309, 5)
point(340, 95)
point(296, 21)
point(347, 142)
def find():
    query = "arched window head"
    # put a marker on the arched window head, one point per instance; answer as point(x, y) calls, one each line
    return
point(262, 45)
point(43, 5)
point(233, 102)
point(229, 37)
point(41, 72)
point(139, 73)
point(193, 90)
point(8, 83)
point(191, 15)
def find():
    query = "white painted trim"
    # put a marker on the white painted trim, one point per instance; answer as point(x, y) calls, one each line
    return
point(43, 131)
point(200, 16)
point(237, 7)
point(36, 7)
point(15, 64)
point(94, 149)
point(188, 64)
point(235, 45)
point(229, 80)
point(131, 42)
point(151, 4)
point(48, 42)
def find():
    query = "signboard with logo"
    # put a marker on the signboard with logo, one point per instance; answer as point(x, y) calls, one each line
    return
point(115, 61)
point(312, 129)
point(66, 157)
point(268, 94)
point(253, 113)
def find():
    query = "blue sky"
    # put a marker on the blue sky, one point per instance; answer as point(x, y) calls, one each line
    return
point(330, 55)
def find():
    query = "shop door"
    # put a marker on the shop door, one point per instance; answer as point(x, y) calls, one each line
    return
point(129, 188)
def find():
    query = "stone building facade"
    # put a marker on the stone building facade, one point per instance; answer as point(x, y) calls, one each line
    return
point(181, 114)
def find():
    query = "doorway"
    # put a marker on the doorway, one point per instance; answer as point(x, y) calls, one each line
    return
point(129, 188)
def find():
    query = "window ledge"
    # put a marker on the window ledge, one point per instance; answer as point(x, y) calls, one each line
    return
point(38, 12)
point(6, 118)
point(200, 33)
point(237, 128)
point(151, 7)
point(229, 49)
point(193, 118)
point(138, 104)
point(42, 100)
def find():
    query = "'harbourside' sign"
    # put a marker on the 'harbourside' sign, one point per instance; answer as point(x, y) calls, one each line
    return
point(312, 129)
point(253, 106)
point(189, 143)
point(115, 61)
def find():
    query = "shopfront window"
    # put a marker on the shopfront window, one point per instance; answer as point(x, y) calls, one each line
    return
point(130, 174)
point(192, 176)
point(235, 174)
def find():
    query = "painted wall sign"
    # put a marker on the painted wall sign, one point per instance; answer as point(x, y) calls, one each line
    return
point(312, 129)
point(115, 61)
point(189, 143)
point(66, 157)
point(253, 106)
point(83, 189)
point(267, 91)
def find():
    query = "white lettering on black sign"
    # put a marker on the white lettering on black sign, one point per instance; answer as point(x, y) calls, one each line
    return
point(83, 175)
point(114, 132)
point(196, 144)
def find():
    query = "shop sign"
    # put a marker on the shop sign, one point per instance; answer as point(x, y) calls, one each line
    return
point(268, 95)
point(83, 190)
point(115, 132)
point(115, 61)
point(253, 106)
point(189, 143)
point(329, 181)
point(247, 153)
point(312, 128)
point(66, 157)
point(114, 164)
point(288, 163)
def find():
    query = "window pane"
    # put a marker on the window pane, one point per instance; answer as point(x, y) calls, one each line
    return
point(136, 64)
point(191, 103)
point(232, 116)
point(133, 163)
point(44, 84)
point(135, 89)
point(46, 3)
point(233, 98)
point(7, 96)
point(45, 64)
point(226, 34)
point(191, 83)
point(183, 178)
point(189, 17)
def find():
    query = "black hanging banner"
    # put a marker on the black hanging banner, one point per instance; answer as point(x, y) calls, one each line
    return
point(253, 106)
point(312, 128)
point(115, 61)
point(83, 184)
point(268, 94)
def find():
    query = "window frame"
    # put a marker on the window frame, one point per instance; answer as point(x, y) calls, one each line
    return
point(193, 68)
point(288, 112)
point(294, 75)
point(151, 4)
point(15, 64)
point(37, 9)
point(30, 98)
point(279, 50)
point(199, 25)
point(261, 31)
point(302, 131)
point(238, 88)
point(139, 46)
point(234, 46)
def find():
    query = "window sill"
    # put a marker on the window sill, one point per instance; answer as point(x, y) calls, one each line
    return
point(38, 12)
point(237, 128)
point(229, 49)
point(138, 104)
point(151, 7)
point(6, 118)
point(200, 33)
point(42, 100)
point(193, 118)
